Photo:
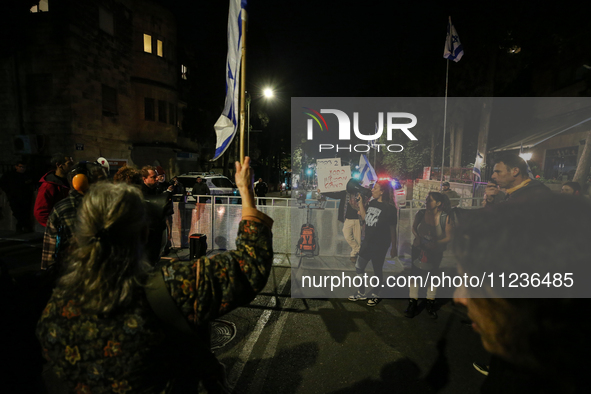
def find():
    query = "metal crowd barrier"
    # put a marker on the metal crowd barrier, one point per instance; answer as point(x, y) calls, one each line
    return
point(219, 217)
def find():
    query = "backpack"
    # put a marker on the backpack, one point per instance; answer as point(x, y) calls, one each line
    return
point(307, 242)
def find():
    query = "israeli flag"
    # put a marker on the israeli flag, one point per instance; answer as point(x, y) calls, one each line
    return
point(477, 166)
point(453, 49)
point(367, 173)
point(225, 127)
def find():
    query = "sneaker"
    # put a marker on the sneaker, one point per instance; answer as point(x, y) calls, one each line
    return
point(483, 369)
point(357, 297)
point(432, 308)
point(411, 309)
point(373, 301)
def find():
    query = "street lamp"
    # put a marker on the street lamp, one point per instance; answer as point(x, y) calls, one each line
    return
point(267, 93)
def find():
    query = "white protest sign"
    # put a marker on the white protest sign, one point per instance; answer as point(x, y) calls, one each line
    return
point(333, 179)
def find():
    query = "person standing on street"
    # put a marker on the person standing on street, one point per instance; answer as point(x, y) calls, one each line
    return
point(261, 190)
point(380, 218)
point(54, 187)
point(19, 187)
point(200, 188)
point(454, 198)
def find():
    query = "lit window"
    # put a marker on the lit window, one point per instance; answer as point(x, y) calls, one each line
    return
point(41, 6)
point(147, 43)
point(106, 21)
point(183, 71)
point(159, 48)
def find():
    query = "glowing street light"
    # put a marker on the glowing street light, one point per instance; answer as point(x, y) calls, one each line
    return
point(268, 93)
point(526, 156)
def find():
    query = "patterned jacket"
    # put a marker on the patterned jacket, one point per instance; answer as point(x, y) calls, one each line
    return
point(60, 225)
point(127, 351)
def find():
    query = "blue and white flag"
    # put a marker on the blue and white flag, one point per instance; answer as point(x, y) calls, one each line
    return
point(477, 167)
point(225, 127)
point(453, 49)
point(367, 173)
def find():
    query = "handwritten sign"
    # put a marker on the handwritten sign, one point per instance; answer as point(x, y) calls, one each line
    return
point(426, 172)
point(333, 179)
point(325, 163)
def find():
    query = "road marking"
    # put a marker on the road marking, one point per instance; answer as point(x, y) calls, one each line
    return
point(236, 371)
point(260, 376)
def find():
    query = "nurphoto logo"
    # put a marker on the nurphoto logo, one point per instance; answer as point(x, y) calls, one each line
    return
point(344, 132)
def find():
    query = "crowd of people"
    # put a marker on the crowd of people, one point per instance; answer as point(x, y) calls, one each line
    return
point(121, 318)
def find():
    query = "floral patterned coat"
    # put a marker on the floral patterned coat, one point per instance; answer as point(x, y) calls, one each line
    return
point(127, 350)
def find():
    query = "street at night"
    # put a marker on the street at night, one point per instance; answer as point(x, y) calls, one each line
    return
point(257, 196)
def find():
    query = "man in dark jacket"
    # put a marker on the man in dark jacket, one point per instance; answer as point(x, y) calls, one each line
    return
point(200, 188)
point(510, 173)
point(19, 187)
point(261, 189)
point(54, 187)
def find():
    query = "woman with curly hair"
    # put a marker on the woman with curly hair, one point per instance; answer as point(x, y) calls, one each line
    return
point(104, 329)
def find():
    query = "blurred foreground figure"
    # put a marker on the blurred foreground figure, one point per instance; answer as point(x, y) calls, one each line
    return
point(537, 344)
point(103, 330)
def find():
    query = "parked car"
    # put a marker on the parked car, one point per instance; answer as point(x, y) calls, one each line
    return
point(219, 185)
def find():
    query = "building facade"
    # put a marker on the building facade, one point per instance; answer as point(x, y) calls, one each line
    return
point(97, 78)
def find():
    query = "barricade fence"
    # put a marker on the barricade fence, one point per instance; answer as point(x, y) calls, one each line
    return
point(219, 218)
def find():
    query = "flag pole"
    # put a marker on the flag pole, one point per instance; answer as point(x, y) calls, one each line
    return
point(243, 87)
point(444, 122)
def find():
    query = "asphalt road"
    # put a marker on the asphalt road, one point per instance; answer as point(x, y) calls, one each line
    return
point(285, 345)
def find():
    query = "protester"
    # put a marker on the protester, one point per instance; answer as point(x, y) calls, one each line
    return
point(380, 233)
point(150, 181)
point(432, 228)
point(54, 187)
point(19, 187)
point(454, 197)
point(61, 223)
point(129, 175)
point(177, 186)
point(537, 343)
point(166, 188)
point(510, 173)
point(348, 214)
point(573, 188)
point(101, 330)
point(261, 189)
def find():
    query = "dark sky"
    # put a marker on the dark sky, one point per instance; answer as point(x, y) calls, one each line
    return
point(371, 48)
point(377, 48)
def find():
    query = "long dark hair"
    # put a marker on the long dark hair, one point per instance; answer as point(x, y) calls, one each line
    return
point(107, 259)
point(443, 199)
point(388, 196)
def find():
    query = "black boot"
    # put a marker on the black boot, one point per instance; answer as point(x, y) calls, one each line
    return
point(411, 309)
point(432, 308)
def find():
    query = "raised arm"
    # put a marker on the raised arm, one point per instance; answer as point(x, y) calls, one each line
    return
point(210, 287)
